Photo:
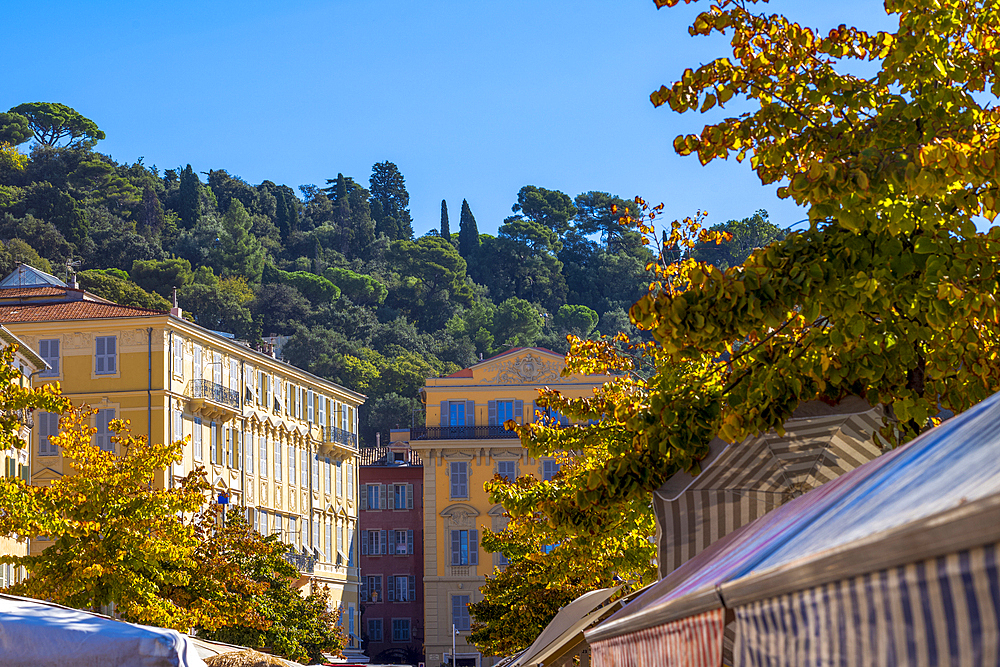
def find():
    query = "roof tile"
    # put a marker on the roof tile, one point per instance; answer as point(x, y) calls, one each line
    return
point(74, 310)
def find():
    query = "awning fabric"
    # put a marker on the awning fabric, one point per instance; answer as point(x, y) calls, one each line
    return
point(938, 611)
point(695, 641)
point(40, 634)
point(937, 497)
point(570, 621)
point(748, 479)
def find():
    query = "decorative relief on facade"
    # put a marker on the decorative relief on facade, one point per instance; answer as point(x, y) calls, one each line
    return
point(461, 515)
point(529, 369)
point(79, 341)
point(134, 338)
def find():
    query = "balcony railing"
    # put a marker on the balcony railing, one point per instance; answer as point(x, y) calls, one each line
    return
point(301, 562)
point(342, 437)
point(215, 392)
point(22, 415)
point(461, 433)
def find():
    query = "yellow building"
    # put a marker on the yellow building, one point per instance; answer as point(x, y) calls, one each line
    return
point(277, 442)
point(463, 445)
point(17, 461)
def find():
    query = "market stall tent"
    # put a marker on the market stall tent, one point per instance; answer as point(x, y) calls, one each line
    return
point(34, 633)
point(894, 562)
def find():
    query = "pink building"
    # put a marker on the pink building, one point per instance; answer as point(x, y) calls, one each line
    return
point(390, 524)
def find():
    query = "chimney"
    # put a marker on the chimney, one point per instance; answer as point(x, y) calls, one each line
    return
point(73, 284)
point(176, 310)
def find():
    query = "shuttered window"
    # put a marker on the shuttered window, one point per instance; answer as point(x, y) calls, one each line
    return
point(262, 448)
point(196, 439)
point(459, 479)
point(49, 351)
point(48, 426)
point(465, 547)
point(106, 355)
point(103, 436)
point(460, 613)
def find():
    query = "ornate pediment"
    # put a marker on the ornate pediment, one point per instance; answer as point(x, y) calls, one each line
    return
point(461, 514)
point(528, 369)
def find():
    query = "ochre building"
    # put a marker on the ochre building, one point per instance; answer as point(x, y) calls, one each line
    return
point(278, 443)
point(463, 445)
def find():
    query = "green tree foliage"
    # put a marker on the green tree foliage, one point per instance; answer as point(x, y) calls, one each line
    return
point(52, 122)
point(357, 287)
point(577, 320)
point(599, 213)
point(390, 202)
point(550, 208)
point(14, 128)
point(468, 233)
point(315, 288)
point(516, 323)
point(745, 236)
point(276, 617)
point(21, 253)
point(161, 276)
point(435, 267)
point(240, 253)
point(189, 198)
point(445, 227)
point(115, 288)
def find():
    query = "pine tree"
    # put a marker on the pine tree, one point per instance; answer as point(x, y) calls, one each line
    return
point(240, 252)
point(342, 214)
point(189, 206)
point(389, 202)
point(445, 227)
point(468, 233)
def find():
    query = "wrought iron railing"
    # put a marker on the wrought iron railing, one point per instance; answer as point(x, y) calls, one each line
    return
point(215, 392)
point(301, 562)
point(460, 432)
point(341, 436)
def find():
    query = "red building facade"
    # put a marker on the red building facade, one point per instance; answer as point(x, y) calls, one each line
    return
point(390, 529)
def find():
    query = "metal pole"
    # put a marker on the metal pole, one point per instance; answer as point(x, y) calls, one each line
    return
point(453, 633)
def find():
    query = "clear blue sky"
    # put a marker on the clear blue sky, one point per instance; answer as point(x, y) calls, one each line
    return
point(470, 99)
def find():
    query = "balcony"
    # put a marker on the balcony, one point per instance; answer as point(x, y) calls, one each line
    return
point(215, 401)
point(339, 436)
point(495, 432)
point(303, 563)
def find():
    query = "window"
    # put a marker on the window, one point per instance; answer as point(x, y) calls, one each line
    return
point(178, 418)
point(350, 481)
point(217, 368)
point(373, 542)
point(197, 367)
point(292, 462)
point(48, 426)
point(326, 475)
point(502, 411)
point(262, 448)
point(507, 469)
point(340, 542)
point(278, 527)
point(315, 532)
point(213, 436)
point(465, 547)
point(277, 460)
point(459, 479)
point(400, 629)
point(196, 438)
point(329, 541)
point(403, 542)
point(350, 622)
point(49, 351)
point(293, 531)
point(304, 478)
point(371, 588)
point(178, 345)
point(311, 414)
point(262, 528)
point(322, 411)
point(106, 355)
point(234, 375)
point(248, 452)
point(340, 484)
point(549, 469)
point(402, 496)
point(103, 436)
point(505, 411)
point(374, 629)
point(456, 413)
point(288, 399)
point(315, 472)
point(373, 499)
point(460, 612)
point(298, 402)
point(401, 588)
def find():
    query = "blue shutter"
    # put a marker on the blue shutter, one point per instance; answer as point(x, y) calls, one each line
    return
point(492, 410)
point(470, 413)
point(409, 541)
point(473, 547)
point(456, 547)
point(519, 412)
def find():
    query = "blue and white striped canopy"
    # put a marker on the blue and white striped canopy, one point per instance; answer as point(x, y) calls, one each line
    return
point(836, 558)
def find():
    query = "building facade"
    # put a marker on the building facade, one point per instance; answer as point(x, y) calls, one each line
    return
point(272, 438)
point(392, 552)
point(17, 461)
point(464, 445)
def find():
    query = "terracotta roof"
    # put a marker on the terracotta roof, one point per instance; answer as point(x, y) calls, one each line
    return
point(21, 292)
point(464, 373)
point(73, 310)
point(376, 456)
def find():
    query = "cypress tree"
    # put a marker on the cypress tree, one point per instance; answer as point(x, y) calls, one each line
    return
point(342, 214)
point(189, 206)
point(468, 233)
point(445, 227)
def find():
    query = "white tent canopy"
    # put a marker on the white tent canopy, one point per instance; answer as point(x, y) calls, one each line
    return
point(41, 634)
